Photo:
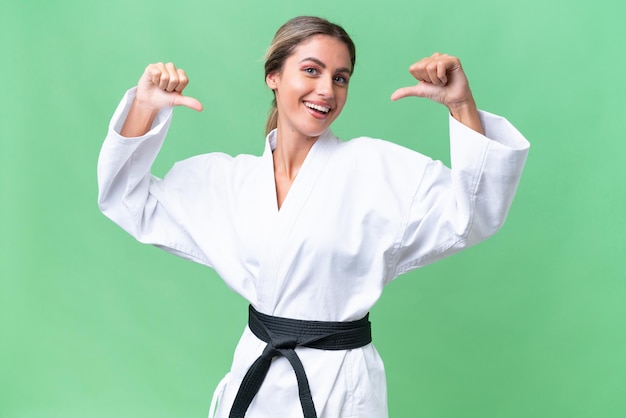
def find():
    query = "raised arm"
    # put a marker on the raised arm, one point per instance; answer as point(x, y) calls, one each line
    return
point(457, 207)
point(442, 79)
point(161, 85)
point(128, 193)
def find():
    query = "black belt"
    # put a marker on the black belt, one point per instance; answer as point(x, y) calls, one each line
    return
point(282, 336)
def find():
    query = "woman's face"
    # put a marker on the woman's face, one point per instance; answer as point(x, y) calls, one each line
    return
point(312, 87)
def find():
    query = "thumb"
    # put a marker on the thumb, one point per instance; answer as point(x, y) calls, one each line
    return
point(190, 102)
point(403, 92)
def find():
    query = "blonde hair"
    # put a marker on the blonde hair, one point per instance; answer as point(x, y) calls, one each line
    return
point(288, 37)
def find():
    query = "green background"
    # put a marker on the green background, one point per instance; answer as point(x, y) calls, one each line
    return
point(531, 323)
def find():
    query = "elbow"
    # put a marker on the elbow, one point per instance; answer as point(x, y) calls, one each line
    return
point(485, 225)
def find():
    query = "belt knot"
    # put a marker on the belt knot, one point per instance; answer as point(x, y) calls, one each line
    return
point(288, 342)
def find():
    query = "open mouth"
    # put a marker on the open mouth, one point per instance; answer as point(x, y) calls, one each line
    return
point(322, 110)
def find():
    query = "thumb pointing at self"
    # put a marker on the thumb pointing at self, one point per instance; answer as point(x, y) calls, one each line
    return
point(190, 102)
point(417, 91)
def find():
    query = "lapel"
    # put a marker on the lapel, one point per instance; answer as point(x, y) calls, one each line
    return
point(273, 265)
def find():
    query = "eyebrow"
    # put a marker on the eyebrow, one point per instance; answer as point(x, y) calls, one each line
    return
point(321, 64)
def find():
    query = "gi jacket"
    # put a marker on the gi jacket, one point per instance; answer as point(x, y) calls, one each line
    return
point(359, 213)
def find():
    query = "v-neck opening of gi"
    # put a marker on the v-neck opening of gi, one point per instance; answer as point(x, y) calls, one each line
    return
point(302, 172)
point(285, 219)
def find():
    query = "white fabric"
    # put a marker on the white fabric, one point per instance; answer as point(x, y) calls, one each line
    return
point(358, 214)
point(217, 394)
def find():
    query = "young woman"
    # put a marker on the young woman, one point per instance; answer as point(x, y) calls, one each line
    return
point(311, 231)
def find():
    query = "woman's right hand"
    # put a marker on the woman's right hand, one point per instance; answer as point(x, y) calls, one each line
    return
point(160, 86)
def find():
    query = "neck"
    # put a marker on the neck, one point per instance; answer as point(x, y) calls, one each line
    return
point(290, 152)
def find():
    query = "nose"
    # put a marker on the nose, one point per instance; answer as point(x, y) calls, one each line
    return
point(325, 87)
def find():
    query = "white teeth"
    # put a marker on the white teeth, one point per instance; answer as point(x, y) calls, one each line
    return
point(317, 107)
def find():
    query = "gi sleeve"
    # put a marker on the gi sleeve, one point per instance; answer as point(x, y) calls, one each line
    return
point(455, 208)
point(131, 196)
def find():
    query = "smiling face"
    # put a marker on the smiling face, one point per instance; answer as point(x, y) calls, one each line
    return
point(312, 87)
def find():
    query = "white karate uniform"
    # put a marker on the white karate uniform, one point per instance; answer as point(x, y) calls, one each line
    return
point(358, 214)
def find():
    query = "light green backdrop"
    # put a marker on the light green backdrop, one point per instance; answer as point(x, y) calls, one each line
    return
point(531, 323)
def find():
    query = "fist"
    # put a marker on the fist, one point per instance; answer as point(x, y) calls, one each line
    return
point(440, 78)
point(161, 85)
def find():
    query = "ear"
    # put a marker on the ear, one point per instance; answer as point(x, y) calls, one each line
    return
point(271, 80)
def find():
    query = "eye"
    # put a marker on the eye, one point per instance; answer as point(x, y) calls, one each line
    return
point(339, 79)
point(310, 71)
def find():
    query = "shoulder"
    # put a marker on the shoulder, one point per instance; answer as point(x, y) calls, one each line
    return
point(380, 152)
point(205, 167)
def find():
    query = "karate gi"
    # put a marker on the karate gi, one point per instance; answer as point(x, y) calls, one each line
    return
point(358, 214)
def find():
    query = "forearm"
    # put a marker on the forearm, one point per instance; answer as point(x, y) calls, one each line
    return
point(138, 121)
point(486, 169)
point(124, 166)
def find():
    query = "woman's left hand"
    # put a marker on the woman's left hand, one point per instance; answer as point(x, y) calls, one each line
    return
point(442, 79)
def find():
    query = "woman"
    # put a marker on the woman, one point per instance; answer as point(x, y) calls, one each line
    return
point(311, 231)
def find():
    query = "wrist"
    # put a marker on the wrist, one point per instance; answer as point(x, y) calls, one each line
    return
point(465, 106)
point(466, 112)
point(144, 108)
